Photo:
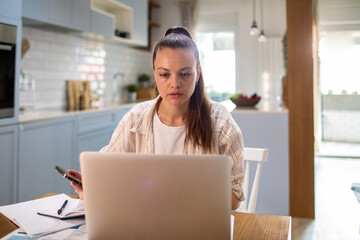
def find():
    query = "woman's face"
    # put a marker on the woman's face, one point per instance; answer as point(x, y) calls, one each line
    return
point(176, 73)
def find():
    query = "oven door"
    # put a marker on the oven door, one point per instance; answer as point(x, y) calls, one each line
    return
point(7, 70)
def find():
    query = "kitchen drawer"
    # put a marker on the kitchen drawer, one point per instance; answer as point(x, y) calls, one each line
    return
point(93, 121)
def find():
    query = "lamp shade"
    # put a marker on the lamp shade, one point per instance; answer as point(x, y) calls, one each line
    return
point(262, 37)
point(254, 30)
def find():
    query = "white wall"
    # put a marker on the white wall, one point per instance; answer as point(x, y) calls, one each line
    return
point(339, 15)
point(167, 16)
point(55, 57)
point(247, 47)
point(234, 15)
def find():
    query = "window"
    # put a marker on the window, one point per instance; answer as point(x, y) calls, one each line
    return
point(339, 62)
point(217, 57)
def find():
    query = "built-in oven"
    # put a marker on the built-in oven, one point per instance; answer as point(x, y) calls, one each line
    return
point(7, 70)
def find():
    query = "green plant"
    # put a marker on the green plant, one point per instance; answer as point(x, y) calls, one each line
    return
point(144, 78)
point(284, 50)
point(131, 87)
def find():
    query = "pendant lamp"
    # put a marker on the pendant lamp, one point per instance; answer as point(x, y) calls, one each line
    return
point(254, 30)
point(262, 37)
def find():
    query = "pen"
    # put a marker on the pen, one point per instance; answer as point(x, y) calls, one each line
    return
point(62, 207)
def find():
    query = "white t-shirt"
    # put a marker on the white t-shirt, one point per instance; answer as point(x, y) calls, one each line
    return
point(168, 139)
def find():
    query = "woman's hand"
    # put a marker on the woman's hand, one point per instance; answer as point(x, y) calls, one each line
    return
point(78, 189)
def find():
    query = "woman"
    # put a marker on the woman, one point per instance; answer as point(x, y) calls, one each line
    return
point(181, 120)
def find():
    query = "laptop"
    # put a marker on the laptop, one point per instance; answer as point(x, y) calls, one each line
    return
point(151, 196)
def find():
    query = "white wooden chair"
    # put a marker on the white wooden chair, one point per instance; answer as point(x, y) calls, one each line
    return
point(258, 155)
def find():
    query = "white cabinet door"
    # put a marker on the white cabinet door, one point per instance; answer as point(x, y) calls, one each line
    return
point(141, 30)
point(10, 9)
point(8, 164)
point(60, 12)
point(42, 145)
point(72, 14)
point(101, 24)
point(36, 10)
point(80, 17)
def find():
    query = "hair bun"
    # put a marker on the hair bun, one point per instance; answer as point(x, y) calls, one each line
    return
point(178, 30)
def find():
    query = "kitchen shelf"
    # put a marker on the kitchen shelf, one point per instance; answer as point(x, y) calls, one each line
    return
point(153, 24)
point(153, 4)
point(122, 16)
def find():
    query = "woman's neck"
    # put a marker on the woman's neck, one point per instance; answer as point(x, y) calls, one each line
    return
point(172, 115)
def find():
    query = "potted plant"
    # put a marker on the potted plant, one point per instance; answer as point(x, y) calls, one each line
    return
point(144, 80)
point(131, 89)
point(284, 94)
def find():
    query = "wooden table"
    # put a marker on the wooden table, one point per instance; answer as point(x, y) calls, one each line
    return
point(246, 226)
point(261, 226)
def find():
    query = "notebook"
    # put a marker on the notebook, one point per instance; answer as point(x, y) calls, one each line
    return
point(149, 196)
point(73, 209)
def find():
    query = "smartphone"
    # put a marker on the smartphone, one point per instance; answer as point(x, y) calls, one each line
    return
point(66, 175)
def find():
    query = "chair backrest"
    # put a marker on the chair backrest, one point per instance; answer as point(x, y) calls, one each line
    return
point(258, 155)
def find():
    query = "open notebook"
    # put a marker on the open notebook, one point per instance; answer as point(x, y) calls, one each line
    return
point(74, 208)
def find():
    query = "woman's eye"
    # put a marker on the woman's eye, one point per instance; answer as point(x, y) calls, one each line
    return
point(164, 74)
point(185, 74)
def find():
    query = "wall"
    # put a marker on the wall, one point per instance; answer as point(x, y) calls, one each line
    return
point(341, 118)
point(339, 15)
point(249, 52)
point(237, 16)
point(55, 57)
point(168, 15)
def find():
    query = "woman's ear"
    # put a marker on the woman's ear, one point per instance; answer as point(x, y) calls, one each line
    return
point(198, 73)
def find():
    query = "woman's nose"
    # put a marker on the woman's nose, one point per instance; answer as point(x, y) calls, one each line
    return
point(175, 82)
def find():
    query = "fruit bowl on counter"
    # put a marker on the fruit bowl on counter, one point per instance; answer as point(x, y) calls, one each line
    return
point(243, 100)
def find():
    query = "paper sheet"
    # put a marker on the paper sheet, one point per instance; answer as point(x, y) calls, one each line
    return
point(25, 215)
point(19, 234)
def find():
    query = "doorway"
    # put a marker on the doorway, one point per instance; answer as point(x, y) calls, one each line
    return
point(217, 57)
point(339, 53)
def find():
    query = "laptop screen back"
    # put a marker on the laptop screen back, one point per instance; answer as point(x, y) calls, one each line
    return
point(148, 196)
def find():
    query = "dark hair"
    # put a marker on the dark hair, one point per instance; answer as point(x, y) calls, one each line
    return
point(199, 126)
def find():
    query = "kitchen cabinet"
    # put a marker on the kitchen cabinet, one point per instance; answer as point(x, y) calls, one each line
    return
point(93, 141)
point(80, 17)
point(35, 10)
point(95, 130)
point(11, 9)
point(42, 145)
point(60, 12)
point(122, 18)
point(8, 163)
point(102, 17)
point(140, 20)
point(71, 14)
point(101, 24)
point(265, 129)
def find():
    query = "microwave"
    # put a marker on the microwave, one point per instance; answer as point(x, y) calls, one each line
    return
point(7, 70)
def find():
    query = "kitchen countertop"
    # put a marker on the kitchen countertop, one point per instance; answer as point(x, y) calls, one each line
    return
point(44, 114)
point(261, 107)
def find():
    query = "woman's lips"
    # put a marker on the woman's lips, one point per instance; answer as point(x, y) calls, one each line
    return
point(175, 95)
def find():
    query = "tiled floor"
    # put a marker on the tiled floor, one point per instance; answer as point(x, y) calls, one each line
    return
point(336, 208)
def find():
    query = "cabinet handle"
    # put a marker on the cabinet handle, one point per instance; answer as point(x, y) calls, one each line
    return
point(5, 47)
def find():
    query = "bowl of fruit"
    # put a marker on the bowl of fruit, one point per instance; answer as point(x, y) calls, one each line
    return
point(243, 100)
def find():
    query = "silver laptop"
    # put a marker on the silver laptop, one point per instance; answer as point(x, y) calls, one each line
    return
point(150, 196)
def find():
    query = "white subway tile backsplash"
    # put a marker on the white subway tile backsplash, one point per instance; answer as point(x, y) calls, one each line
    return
point(55, 57)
